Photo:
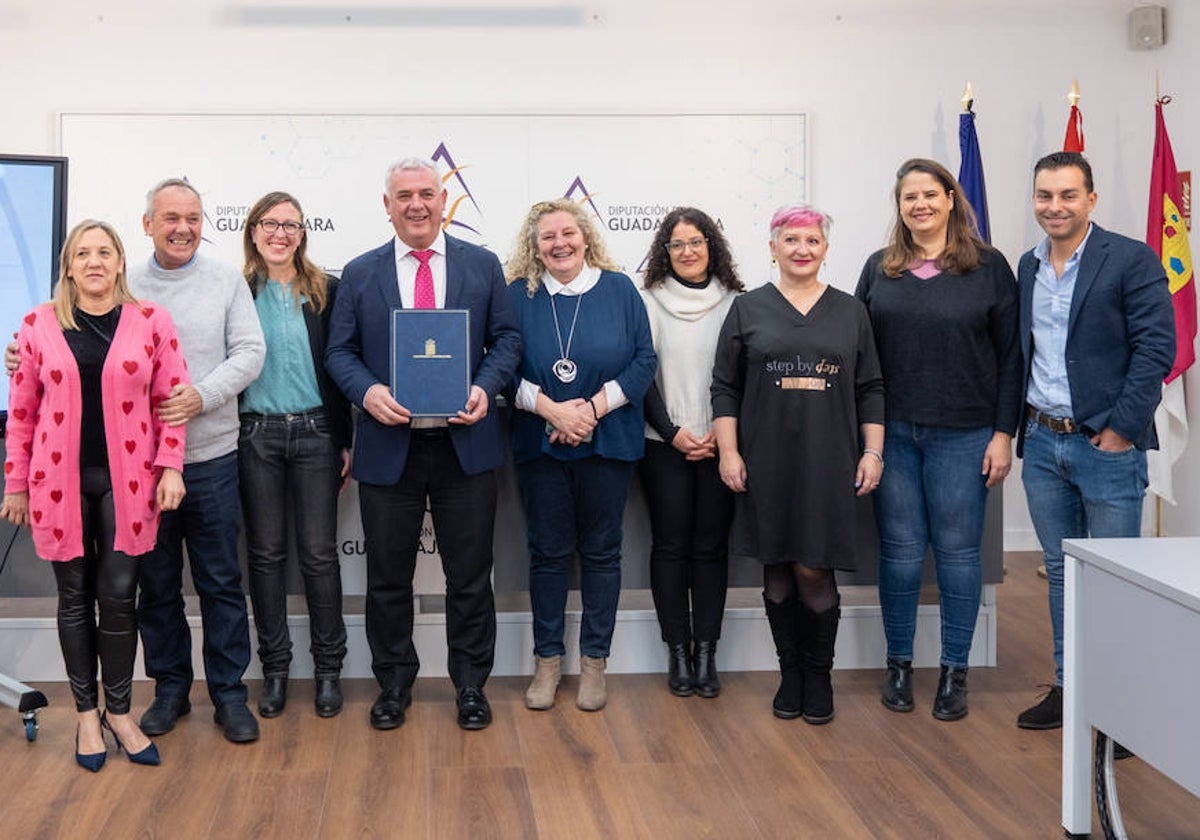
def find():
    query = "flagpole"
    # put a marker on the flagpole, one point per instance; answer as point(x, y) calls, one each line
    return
point(1158, 502)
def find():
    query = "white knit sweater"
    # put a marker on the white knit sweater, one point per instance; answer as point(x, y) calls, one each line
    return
point(686, 323)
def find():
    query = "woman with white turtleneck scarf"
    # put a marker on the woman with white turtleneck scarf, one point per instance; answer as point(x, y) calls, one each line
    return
point(689, 285)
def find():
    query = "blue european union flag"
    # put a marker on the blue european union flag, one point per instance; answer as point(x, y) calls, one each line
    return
point(970, 173)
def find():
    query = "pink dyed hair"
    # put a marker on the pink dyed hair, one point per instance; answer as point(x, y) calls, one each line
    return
point(799, 215)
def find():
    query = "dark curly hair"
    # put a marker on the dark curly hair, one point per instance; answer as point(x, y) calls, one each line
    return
point(720, 260)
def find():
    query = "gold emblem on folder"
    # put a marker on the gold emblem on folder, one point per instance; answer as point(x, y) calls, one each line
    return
point(431, 351)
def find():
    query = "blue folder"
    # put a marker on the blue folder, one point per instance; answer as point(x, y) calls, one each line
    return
point(431, 365)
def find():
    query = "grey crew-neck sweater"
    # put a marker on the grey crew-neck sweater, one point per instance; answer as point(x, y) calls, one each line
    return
point(223, 345)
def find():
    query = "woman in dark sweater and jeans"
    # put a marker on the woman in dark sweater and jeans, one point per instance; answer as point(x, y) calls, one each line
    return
point(943, 306)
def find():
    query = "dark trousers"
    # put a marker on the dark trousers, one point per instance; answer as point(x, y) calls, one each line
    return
point(208, 523)
point(288, 464)
point(106, 578)
point(464, 514)
point(690, 513)
point(574, 506)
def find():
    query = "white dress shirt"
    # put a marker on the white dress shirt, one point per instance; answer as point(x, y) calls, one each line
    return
point(527, 392)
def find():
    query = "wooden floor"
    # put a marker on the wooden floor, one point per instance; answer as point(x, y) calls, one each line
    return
point(649, 765)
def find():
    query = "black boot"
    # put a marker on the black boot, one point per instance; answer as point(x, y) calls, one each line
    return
point(897, 691)
point(681, 678)
point(951, 700)
point(818, 636)
point(274, 696)
point(783, 618)
point(708, 684)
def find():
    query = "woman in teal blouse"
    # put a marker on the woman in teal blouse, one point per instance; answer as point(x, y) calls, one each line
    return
point(293, 454)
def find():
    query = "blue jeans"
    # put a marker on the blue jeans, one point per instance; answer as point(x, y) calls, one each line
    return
point(573, 505)
point(208, 522)
point(288, 464)
point(932, 494)
point(1076, 491)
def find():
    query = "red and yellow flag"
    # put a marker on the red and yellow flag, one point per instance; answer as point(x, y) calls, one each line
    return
point(1167, 234)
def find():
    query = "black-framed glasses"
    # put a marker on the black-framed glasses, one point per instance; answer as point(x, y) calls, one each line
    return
point(270, 226)
point(676, 246)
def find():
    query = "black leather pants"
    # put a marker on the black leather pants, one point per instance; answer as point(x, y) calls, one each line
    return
point(101, 577)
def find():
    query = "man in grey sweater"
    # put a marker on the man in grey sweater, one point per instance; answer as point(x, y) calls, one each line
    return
point(223, 345)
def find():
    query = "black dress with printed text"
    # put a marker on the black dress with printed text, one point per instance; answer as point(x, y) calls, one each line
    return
point(799, 386)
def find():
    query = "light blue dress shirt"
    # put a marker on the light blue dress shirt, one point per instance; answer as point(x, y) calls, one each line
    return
point(1049, 387)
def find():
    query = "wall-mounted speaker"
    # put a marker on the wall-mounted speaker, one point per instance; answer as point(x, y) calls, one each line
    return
point(1147, 30)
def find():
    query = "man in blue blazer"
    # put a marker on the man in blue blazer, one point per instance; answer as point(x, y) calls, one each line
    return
point(400, 461)
point(1098, 336)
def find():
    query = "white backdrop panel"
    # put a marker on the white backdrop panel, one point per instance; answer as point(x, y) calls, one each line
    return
point(629, 169)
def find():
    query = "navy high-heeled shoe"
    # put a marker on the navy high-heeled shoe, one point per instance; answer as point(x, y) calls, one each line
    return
point(148, 756)
point(88, 761)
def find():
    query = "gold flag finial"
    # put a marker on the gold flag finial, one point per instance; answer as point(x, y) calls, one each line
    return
point(1073, 96)
point(968, 98)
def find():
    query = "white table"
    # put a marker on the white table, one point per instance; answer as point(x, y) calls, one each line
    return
point(1131, 664)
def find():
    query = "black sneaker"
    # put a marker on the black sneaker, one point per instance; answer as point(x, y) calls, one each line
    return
point(1045, 714)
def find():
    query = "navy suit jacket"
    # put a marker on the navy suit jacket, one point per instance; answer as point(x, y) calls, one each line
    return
point(358, 354)
point(1120, 336)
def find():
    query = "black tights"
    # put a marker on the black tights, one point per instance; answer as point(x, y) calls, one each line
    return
point(817, 588)
point(106, 577)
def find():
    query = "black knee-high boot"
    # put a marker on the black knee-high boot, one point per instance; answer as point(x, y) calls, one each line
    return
point(818, 635)
point(784, 621)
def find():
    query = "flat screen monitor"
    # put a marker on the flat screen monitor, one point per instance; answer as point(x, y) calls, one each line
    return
point(33, 224)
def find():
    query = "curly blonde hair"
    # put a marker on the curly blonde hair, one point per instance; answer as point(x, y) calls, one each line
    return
point(527, 265)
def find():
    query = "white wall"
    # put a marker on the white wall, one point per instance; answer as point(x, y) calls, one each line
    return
point(880, 80)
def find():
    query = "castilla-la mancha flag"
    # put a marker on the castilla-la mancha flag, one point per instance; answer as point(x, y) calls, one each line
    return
point(1167, 234)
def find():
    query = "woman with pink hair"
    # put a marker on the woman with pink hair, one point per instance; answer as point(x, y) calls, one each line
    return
point(798, 405)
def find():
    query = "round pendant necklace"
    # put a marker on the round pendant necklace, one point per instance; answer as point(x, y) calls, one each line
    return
point(564, 369)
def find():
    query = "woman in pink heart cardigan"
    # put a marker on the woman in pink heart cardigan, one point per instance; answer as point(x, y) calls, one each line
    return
point(89, 468)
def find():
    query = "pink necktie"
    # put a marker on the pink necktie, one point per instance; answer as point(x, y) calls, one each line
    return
point(423, 297)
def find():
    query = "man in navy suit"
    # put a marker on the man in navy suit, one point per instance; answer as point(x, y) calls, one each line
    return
point(399, 460)
point(1098, 336)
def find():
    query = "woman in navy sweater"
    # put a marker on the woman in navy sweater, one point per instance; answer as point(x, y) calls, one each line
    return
point(577, 431)
point(943, 306)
